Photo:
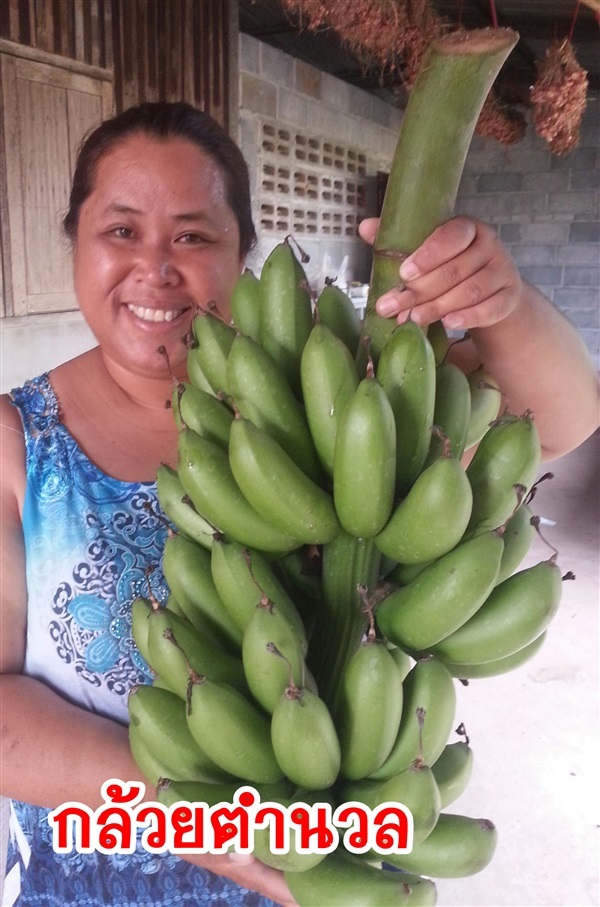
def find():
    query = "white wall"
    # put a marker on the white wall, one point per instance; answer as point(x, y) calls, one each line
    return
point(33, 344)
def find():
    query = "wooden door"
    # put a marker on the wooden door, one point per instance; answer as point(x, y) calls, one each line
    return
point(48, 105)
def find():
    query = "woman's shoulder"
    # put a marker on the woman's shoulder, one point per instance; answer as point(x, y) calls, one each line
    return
point(12, 439)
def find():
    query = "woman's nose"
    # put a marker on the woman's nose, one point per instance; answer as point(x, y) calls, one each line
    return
point(156, 267)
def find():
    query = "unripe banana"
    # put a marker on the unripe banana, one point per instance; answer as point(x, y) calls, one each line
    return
point(186, 567)
point(403, 661)
point(343, 880)
point(276, 487)
point(451, 412)
point(243, 577)
point(458, 846)
point(202, 412)
point(439, 340)
point(500, 665)
point(179, 509)
point(427, 718)
point(292, 861)
point(206, 476)
point(336, 311)
point(304, 739)
point(515, 614)
point(518, 535)
point(329, 381)
point(232, 731)
point(195, 372)
point(452, 771)
point(443, 596)
point(415, 788)
point(245, 304)
point(170, 792)
point(173, 644)
point(271, 653)
point(406, 372)
point(158, 725)
point(285, 311)
point(263, 394)
point(213, 338)
point(486, 399)
point(433, 516)
point(141, 609)
point(369, 711)
point(364, 461)
point(503, 470)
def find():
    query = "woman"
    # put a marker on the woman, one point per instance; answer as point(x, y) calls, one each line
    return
point(160, 224)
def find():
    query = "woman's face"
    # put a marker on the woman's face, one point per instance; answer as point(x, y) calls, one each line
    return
point(156, 240)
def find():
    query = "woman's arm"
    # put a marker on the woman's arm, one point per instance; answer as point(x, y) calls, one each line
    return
point(51, 750)
point(464, 276)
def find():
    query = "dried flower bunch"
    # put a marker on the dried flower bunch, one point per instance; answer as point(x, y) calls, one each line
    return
point(559, 97)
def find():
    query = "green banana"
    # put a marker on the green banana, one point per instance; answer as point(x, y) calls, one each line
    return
point(406, 371)
point(213, 338)
point(243, 577)
point(514, 615)
point(262, 393)
point(158, 726)
point(202, 412)
point(169, 792)
point(286, 318)
point(141, 609)
point(443, 596)
point(458, 846)
point(292, 861)
point(271, 653)
point(343, 880)
point(439, 340)
point(364, 461)
point(173, 644)
point(304, 739)
point(370, 707)
point(195, 372)
point(179, 509)
point(427, 718)
point(415, 788)
point(486, 399)
point(329, 381)
point(452, 771)
point(232, 731)
point(173, 607)
point(206, 476)
point(500, 665)
point(277, 488)
point(503, 470)
point(518, 535)
point(403, 661)
point(433, 516)
point(245, 304)
point(187, 570)
point(336, 311)
point(451, 411)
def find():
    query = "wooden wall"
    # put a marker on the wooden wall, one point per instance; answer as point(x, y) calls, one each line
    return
point(155, 49)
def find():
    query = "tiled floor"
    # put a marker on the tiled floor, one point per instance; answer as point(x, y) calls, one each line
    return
point(534, 732)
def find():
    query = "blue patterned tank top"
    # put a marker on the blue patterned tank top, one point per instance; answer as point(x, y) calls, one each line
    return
point(89, 542)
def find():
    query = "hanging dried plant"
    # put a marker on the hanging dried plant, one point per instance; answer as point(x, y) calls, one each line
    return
point(559, 98)
point(502, 122)
point(392, 35)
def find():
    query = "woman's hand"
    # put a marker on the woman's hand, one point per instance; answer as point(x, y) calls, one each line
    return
point(461, 275)
point(245, 870)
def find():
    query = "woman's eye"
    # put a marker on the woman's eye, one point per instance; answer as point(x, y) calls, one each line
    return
point(123, 232)
point(191, 239)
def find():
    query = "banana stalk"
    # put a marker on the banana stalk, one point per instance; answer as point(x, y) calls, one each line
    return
point(348, 563)
point(434, 139)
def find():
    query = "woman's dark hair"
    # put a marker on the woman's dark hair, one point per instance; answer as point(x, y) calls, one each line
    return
point(164, 120)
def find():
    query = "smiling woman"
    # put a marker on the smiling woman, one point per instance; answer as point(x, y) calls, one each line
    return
point(159, 223)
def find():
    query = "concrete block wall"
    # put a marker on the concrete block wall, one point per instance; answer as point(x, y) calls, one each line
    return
point(545, 208)
point(547, 212)
point(276, 88)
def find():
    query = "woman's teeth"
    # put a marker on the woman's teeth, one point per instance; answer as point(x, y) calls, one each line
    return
point(153, 314)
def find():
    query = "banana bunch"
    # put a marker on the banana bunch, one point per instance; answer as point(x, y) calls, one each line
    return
point(333, 569)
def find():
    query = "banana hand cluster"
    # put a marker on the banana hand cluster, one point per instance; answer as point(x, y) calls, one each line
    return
point(333, 569)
